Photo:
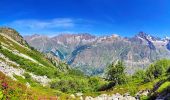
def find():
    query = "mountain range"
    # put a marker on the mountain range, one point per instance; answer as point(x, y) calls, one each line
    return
point(92, 54)
point(26, 73)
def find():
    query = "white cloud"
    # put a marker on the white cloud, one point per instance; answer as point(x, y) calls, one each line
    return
point(51, 26)
point(43, 24)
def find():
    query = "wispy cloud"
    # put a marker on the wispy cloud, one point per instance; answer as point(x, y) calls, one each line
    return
point(52, 26)
point(43, 24)
point(55, 26)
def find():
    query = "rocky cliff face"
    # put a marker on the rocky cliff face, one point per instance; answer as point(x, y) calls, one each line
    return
point(92, 53)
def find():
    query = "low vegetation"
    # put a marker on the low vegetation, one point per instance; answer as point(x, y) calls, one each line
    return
point(155, 78)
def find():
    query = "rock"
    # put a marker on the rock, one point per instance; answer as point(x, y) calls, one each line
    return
point(72, 96)
point(103, 96)
point(98, 98)
point(137, 97)
point(113, 97)
point(81, 98)
point(89, 98)
point(126, 94)
point(117, 94)
point(27, 84)
point(129, 98)
point(145, 93)
point(79, 94)
point(41, 79)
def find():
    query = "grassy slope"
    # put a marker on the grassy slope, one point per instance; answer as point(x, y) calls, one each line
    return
point(18, 89)
point(47, 67)
point(69, 83)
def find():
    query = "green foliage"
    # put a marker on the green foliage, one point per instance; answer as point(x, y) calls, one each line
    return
point(0, 45)
point(96, 83)
point(116, 73)
point(150, 73)
point(140, 74)
point(163, 87)
point(75, 72)
point(27, 75)
point(144, 98)
point(157, 69)
point(62, 66)
point(74, 84)
point(1, 94)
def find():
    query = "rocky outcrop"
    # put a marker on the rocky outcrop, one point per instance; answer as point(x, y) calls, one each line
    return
point(10, 71)
point(111, 97)
point(7, 68)
point(116, 96)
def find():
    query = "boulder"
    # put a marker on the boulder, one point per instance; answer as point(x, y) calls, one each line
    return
point(79, 94)
point(81, 98)
point(89, 98)
point(72, 96)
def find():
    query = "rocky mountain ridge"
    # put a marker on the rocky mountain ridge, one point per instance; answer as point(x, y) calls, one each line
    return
point(92, 52)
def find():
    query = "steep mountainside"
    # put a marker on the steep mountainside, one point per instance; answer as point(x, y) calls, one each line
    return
point(92, 54)
point(18, 58)
point(24, 72)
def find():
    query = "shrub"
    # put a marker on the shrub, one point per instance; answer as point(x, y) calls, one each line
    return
point(157, 69)
point(140, 74)
point(1, 95)
point(27, 75)
point(76, 72)
point(116, 73)
point(0, 46)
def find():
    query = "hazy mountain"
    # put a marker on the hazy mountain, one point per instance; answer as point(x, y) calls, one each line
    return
point(92, 54)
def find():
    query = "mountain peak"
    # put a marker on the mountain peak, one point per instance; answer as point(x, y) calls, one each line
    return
point(142, 34)
point(147, 36)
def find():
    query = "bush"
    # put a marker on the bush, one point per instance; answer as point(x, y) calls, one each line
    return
point(150, 73)
point(27, 75)
point(0, 46)
point(140, 75)
point(67, 86)
point(157, 69)
point(76, 72)
point(74, 84)
point(116, 73)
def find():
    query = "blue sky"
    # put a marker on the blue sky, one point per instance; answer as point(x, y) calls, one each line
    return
point(99, 17)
